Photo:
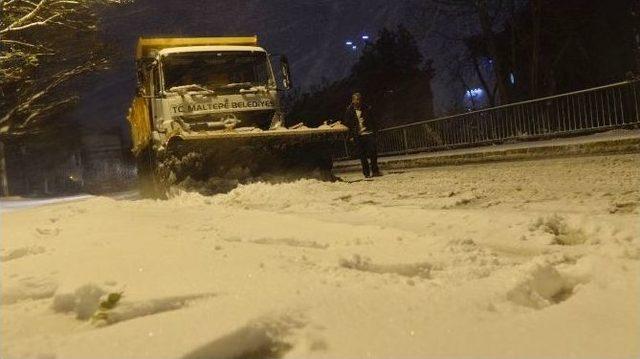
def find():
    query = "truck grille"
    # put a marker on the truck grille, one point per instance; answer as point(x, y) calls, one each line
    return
point(259, 119)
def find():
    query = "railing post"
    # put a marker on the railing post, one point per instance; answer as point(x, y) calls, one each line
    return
point(404, 137)
point(635, 101)
point(4, 183)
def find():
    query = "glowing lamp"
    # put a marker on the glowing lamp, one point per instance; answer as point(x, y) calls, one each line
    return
point(477, 92)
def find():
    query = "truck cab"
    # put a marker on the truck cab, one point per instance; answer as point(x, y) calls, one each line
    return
point(202, 88)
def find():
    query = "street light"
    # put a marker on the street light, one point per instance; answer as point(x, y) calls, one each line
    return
point(476, 92)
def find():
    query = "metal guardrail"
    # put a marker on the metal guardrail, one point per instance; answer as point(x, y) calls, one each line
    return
point(581, 112)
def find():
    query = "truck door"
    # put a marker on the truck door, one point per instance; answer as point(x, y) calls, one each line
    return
point(156, 100)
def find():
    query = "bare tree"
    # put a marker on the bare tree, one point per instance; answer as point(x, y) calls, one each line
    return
point(45, 44)
point(482, 19)
point(485, 84)
point(488, 14)
point(536, 9)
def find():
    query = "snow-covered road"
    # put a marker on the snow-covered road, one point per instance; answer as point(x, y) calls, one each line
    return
point(523, 259)
point(7, 205)
point(15, 204)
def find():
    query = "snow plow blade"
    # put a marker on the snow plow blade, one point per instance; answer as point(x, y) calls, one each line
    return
point(218, 161)
point(287, 135)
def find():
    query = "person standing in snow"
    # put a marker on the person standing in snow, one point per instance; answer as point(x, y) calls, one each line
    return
point(363, 131)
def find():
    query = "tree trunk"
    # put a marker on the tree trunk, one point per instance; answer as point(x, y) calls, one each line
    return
point(489, 36)
point(635, 13)
point(4, 182)
point(483, 82)
point(535, 47)
point(468, 90)
point(514, 46)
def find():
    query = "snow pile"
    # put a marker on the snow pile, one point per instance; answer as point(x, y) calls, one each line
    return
point(505, 260)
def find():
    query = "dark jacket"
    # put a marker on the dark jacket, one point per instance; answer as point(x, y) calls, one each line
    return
point(351, 121)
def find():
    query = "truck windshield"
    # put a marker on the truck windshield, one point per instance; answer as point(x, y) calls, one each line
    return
point(216, 69)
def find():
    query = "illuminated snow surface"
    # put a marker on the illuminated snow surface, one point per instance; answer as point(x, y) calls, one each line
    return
point(532, 259)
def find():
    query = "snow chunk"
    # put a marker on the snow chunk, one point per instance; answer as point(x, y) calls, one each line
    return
point(541, 286)
point(364, 264)
point(562, 233)
point(84, 301)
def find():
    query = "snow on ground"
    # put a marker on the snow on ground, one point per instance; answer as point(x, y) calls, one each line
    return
point(18, 203)
point(7, 205)
point(532, 259)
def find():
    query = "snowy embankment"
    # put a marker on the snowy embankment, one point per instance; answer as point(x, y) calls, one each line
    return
point(525, 259)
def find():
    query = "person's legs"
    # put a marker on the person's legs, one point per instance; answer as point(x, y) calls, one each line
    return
point(372, 153)
point(365, 166)
point(362, 149)
point(375, 170)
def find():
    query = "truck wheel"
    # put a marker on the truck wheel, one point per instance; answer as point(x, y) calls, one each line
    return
point(151, 176)
point(163, 176)
point(145, 174)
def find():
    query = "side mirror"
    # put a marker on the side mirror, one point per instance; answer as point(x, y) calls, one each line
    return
point(286, 72)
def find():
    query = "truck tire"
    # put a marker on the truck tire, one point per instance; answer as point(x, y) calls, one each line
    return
point(151, 177)
point(145, 174)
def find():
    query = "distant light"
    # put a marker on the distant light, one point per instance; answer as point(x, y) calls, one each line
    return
point(365, 37)
point(512, 78)
point(349, 43)
point(477, 92)
point(354, 47)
